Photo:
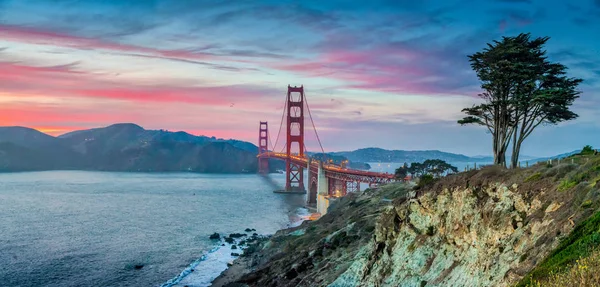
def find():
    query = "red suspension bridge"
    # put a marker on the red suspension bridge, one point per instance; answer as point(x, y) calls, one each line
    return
point(324, 178)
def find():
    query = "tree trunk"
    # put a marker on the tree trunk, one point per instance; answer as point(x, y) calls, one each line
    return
point(502, 157)
point(515, 156)
point(514, 159)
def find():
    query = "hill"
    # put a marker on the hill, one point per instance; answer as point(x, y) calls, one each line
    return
point(401, 156)
point(123, 147)
point(383, 155)
point(487, 227)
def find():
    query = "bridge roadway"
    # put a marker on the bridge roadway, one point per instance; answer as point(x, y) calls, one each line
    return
point(334, 171)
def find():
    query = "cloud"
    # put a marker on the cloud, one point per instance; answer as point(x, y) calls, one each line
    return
point(414, 66)
point(35, 36)
point(66, 81)
point(193, 56)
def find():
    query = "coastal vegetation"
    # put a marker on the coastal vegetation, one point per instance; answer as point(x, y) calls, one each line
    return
point(522, 90)
point(431, 167)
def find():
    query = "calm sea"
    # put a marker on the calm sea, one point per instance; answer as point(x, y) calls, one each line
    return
point(73, 228)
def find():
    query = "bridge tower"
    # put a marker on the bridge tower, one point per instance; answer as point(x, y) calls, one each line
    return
point(295, 138)
point(263, 146)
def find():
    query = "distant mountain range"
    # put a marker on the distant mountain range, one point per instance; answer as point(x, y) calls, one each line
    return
point(129, 147)
point(124, 147)
point(399, 156)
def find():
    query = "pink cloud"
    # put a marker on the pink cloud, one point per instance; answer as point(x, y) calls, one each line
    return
point(391, 68)
point(40, 37)
point(64, 81)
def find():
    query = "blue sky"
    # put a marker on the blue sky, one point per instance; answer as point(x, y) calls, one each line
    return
point(392, 74)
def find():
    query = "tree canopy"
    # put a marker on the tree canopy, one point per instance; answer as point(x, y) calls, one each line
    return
point(522, 90)
point(433, 167)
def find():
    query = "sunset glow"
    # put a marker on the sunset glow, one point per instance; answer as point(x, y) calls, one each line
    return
point(380, 74)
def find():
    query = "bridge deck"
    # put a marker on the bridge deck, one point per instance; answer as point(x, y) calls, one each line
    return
point(330, 167)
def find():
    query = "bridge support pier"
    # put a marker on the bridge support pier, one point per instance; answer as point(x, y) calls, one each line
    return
point(263, 147)
point(313, 184)
point(323, 190)
point(295, 139)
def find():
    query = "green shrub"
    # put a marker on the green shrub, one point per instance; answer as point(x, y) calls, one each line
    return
point(588, 149)
point(425, 180)
point(566, 185)
point(534, 177)
point(586, 204)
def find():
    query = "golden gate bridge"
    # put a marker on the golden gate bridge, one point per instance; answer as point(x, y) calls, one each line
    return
point(325, 179)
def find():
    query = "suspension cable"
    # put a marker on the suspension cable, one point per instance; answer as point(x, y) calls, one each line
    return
point(280, 125)
point(282, 148)
point(313, 124)
point(270, 141)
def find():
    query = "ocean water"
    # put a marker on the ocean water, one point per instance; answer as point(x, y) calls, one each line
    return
point(74, 228)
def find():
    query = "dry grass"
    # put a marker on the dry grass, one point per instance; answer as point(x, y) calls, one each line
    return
point(584, 273)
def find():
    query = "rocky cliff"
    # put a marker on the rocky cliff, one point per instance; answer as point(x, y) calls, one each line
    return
point(481, 228)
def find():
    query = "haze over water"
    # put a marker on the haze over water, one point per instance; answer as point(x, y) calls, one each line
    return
point(73, 228)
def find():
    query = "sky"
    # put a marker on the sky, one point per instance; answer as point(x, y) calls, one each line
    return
point(382, 73)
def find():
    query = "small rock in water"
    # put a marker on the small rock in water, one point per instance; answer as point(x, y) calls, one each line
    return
point(242, 242)
point(235, 254)
point(138, 266)
point(233, 247)
point(215, 236)
point(237, 235)
point(223, 244)
point(255, 234)
point(229, 240)
point(248, 230)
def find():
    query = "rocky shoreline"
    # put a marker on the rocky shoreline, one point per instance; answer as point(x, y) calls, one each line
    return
point(239, 267)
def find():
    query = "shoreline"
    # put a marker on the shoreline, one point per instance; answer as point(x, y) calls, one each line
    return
point(244, 263)
point(218, 265)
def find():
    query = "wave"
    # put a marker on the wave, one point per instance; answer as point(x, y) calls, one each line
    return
point(299, 216)
point(204, 270)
